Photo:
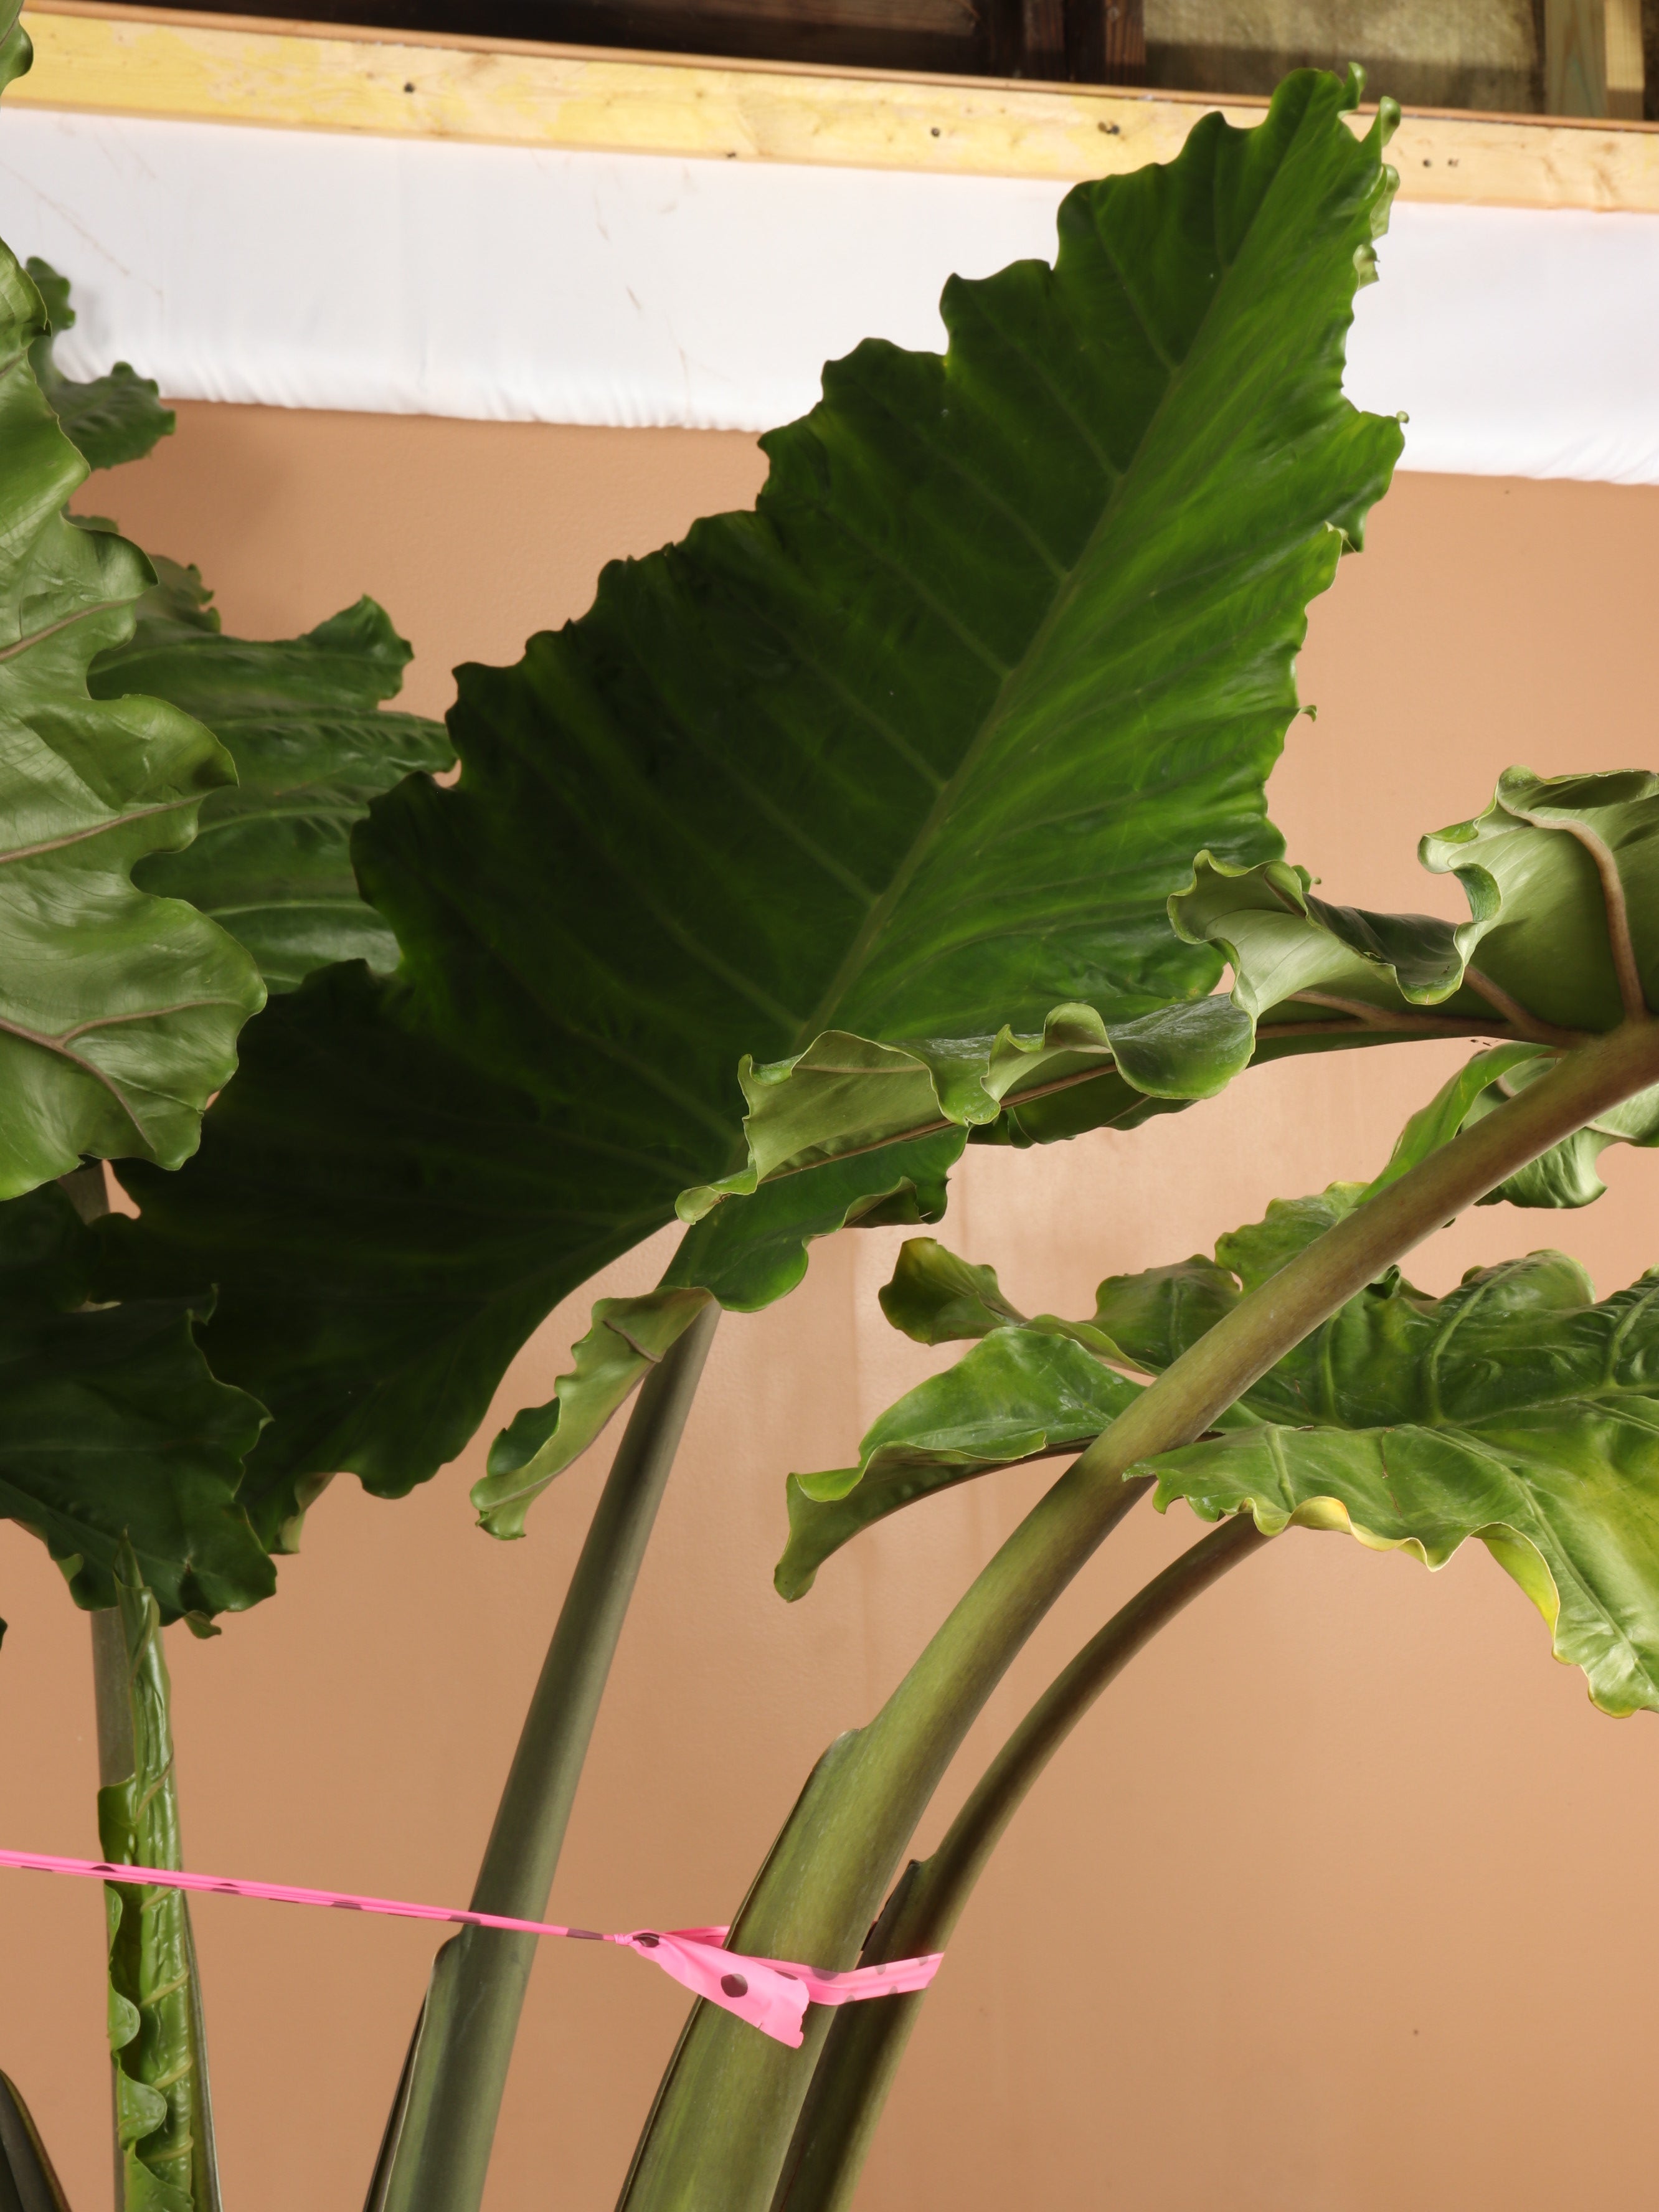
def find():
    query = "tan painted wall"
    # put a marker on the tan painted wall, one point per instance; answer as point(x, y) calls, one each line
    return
point(1353, 1891)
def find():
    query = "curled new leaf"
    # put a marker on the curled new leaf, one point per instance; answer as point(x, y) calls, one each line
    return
point(119, 1012)
point(1562, 942)
point(938, 1298)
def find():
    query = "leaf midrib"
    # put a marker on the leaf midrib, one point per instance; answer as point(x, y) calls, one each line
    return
point(857, 954)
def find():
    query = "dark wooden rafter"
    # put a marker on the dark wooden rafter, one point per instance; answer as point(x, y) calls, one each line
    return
point(1052, 41)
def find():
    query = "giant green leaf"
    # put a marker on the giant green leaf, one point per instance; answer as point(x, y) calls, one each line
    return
point(903, 764)
point(301, 718)
point(119, 1012)
point(114, 1430)
point(108, 420)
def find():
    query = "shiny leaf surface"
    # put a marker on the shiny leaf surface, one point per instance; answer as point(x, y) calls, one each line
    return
point(1518, 1409)
point(1023, 1392)
point(301, 718)
point(901, 757)
point(119, 1012)
point(744, 1257)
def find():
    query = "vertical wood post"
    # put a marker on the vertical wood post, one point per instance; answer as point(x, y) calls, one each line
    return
point(1044, 56)
point(1576, 56)
point(1625, 75)
point(1124, 42)
point(1074, 41)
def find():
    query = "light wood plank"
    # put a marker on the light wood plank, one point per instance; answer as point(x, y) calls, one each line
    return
point(105, 60)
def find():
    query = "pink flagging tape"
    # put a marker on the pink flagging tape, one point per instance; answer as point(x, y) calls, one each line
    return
point(771, 1993)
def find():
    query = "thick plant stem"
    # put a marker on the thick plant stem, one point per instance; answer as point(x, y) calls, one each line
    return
point(112, 1709)
point(163, 2116)
point(437, 2148)
point(28, 2182)
point(867, 2042)
point(130, 1688)
point(722, 2127)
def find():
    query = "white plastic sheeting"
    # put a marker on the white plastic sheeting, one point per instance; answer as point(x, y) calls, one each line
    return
point(403, 275)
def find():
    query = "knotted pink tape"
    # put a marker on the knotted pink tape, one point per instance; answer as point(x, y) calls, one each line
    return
point(771, 1993)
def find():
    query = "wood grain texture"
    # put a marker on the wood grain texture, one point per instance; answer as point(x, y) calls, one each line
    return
point(110, 60)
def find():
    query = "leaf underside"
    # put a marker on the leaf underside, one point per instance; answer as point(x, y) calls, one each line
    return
point(916, 750)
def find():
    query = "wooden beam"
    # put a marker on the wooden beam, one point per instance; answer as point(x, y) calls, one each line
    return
point(110, 60)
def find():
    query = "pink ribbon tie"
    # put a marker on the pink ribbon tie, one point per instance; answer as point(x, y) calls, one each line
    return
point(771, 1993)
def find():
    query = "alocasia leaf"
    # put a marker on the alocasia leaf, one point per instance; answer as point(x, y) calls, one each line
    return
point(907, 758)
point(1022, 1393)
point(938, 1298)
point(113, 418)
point(1517, 1409)
point(119, 1012)
point(16, 54)
point(1452, 1105)
point(302, 720)
point(1566, 1174)
point(1029, 1389)
point(743, 1258)
point(114, 1428)
point(1562, 878)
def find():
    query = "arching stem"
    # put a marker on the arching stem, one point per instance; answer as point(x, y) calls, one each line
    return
point(867, 2041)
point(435, 2153)
point(722, 2129)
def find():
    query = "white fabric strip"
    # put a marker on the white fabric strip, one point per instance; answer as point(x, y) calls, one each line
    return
point(399, 276)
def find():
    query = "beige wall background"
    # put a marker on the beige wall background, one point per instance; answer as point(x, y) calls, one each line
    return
point(1342, 1900)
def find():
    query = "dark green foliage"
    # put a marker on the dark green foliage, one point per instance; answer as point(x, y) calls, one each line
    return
point(900, 758)
point(114, 1430)
point(301, 719)
point(118, 1012)
point(114, 418)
